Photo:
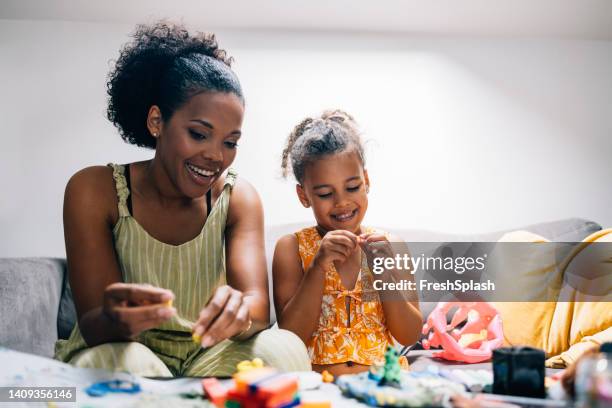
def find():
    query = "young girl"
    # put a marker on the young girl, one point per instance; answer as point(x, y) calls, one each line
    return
point(322, 284)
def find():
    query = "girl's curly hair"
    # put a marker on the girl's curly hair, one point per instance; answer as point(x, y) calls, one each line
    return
point(164, 65)
point(335, 131)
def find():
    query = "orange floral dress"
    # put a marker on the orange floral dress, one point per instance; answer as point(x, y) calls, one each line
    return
point(359, 334)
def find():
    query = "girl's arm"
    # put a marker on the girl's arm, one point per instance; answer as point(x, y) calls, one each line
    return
point(90, 211)
point(404, 320)
point(403, 316)
point(297, 294)
point(241, 308)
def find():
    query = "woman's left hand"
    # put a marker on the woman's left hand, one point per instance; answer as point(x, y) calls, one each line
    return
point(225, 315)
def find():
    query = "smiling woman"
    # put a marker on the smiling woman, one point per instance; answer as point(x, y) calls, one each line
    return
point(166, 256)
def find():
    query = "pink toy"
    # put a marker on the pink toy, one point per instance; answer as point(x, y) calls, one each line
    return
point(474, 342)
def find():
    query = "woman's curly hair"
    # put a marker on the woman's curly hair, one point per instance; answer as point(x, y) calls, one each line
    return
point(333, 132)
point(164, 65)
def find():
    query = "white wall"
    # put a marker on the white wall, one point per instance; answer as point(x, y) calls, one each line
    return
point(466, 134)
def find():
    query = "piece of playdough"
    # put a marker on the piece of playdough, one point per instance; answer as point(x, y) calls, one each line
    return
point(327, 377)
point(247, 365)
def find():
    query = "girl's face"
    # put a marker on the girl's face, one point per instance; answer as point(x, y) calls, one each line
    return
point(336, 189)
point(199, 141)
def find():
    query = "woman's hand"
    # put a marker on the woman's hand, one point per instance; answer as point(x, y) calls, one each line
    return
point(225, 315)
point(335, 246)
point(135, 308)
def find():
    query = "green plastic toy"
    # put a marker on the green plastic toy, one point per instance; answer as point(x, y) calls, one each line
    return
point(392, 372)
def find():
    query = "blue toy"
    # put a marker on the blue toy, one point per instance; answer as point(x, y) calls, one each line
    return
point(100, 389)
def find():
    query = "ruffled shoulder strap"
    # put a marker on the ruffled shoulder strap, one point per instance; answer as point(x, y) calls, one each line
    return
point(122, 189)
point(308, 245)
point(230, 178)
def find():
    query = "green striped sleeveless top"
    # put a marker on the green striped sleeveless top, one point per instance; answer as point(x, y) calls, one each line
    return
point(192, 271)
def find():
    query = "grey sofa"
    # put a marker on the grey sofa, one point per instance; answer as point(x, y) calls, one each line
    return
point(36, 305)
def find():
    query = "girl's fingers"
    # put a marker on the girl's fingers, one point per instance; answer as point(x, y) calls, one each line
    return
point(344, 234)
point(341, 250)
point(344, 240)
point(215, 331)
point(215, 306)
point(373, 237)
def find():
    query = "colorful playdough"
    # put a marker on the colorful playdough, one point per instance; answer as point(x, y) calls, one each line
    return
point(472, 343)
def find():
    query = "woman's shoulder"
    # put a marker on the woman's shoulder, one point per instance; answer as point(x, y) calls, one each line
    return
point(244, 202)
point(94, 188)
point(92, 179)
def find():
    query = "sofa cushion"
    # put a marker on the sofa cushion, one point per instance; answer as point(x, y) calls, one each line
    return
point(30, 291)
point(67, 316)
point(566, 230)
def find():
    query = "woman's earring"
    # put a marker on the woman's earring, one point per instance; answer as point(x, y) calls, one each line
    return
point(155, 134)
point(367, 189)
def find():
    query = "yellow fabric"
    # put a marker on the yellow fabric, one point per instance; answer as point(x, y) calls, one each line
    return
point(564, 330)
point(365, 338)
point(581, 325)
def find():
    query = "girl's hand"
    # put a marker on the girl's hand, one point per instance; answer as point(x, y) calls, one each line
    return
point(136, 308)
point(375, 245)
point(225, 315)
point(336, 245)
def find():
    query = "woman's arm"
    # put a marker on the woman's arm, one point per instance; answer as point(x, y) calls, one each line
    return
point(245, 252)
point(90, 211)
point(241, 308)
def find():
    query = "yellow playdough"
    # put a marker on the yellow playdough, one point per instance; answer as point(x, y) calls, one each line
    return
point(248, 365)
point(470, 338)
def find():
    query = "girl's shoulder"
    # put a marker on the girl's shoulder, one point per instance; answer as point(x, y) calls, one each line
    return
point(298, 242)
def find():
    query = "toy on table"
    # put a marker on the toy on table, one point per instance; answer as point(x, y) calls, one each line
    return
point(327, 377)
point(215, 391)
point(474, 342)
point(262, 387)
point(390, 373)
point(415, 390)
point(100, 389)
point(247, 365)
point(472, 380)
point(519, 371)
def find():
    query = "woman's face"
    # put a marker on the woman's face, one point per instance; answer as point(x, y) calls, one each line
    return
point(199, 141)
